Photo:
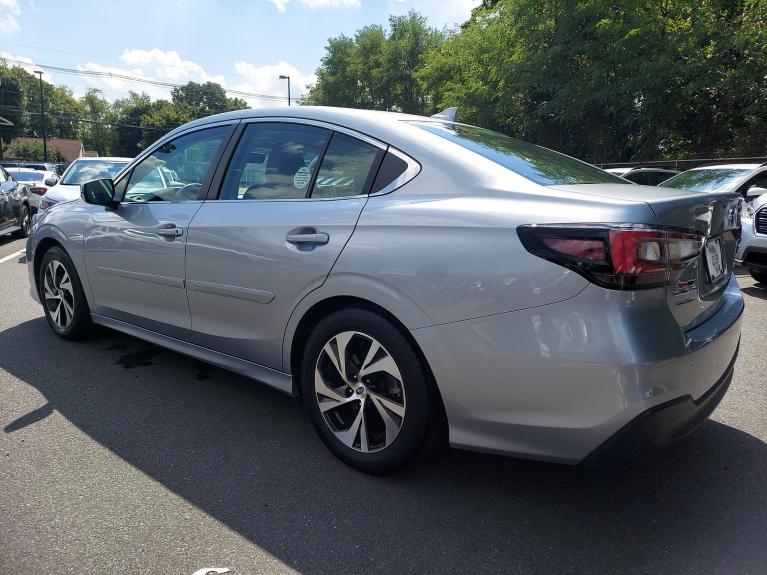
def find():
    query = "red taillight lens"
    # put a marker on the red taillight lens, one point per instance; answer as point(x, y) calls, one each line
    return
point(615, 257)
point(38, 191)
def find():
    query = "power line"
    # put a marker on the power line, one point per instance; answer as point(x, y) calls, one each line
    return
point(126, 78)
point(71, 118)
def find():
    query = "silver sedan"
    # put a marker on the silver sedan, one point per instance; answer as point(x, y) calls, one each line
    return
point(414, 280)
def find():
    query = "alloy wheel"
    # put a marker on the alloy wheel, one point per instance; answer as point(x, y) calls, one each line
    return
point(59, 294)
point(359, 390)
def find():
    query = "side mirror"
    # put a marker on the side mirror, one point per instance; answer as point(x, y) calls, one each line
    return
point(755, 191)
point(50, 182)
point(99, 192)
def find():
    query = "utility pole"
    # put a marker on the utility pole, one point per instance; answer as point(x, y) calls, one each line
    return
point(288, 79)
point(42, 113)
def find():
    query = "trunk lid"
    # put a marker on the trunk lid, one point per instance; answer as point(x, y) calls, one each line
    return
point(695, 292)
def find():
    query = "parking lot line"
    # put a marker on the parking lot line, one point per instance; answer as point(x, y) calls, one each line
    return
point(13, 255)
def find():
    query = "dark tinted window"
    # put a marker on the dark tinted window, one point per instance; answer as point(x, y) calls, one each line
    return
point(535, 163)
point(642, 178)
point(346, 168)
point(391, 168)
point(274, 161)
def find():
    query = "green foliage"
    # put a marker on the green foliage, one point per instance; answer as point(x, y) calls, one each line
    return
point(121, 128)
point(378, 70)
point(33, 151)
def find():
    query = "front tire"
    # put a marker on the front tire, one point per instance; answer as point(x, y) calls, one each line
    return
point(367, 392)
point(761, 277)
point(61, 292)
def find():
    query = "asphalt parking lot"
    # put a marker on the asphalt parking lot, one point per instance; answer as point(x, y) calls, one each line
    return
point(117, 456)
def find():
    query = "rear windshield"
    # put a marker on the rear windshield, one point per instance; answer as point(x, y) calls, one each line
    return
point(80, 172)
point(541, 165)
point(26, 176)
point(712, 180)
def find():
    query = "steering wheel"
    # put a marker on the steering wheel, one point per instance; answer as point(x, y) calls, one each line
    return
point(187, 192)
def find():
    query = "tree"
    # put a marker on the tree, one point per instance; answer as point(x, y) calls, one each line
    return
point(32, 151)
point(376, 70)
point(194, 100)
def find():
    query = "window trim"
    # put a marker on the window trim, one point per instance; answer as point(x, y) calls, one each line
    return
point(170, 136)
point(214, 192)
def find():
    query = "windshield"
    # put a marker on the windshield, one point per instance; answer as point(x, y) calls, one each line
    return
point(712, 180)
point(26, 176)
point(541, 165)
point(80, 172)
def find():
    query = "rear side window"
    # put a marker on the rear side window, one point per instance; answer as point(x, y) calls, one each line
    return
point(541, 165)
point(274, 161)
point(346, 168)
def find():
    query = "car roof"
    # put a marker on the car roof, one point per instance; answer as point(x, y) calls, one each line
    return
point(730, 167)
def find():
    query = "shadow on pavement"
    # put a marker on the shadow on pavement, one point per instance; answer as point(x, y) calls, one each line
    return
point(246, 456)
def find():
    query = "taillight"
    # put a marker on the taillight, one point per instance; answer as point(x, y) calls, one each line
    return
point(38, 191)
point(617, 257)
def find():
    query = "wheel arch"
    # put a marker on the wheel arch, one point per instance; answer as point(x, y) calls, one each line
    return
point(303, 328)
point(41, 249)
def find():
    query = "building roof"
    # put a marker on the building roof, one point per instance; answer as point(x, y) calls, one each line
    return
point(70, 149)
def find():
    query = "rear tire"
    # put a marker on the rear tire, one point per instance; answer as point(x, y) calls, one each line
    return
point(62, 295)
point(761, 277)
point(355, 360)
point(25, 222)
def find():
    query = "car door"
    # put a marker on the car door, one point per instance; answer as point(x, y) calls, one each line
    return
point(135, 253)
point(289, 201)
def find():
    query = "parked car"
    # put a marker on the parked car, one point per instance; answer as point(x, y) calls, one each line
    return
point(38, 182)
point(752, 249)
point(78, 172)
point(411, 278)
point(644, 176)
point(15, 212)
point(748, 180)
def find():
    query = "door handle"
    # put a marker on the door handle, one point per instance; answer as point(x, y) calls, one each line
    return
point(170, 232)
point(317, 238)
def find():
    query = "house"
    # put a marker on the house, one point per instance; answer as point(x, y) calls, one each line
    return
point(70, 149)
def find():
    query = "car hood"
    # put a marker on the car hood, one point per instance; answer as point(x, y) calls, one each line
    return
point(63, 193)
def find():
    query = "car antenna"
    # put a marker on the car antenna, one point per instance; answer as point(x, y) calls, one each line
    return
point(449, 114)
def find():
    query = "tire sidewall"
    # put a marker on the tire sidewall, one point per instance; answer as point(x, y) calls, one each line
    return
point(81, 320)
point(411, 436)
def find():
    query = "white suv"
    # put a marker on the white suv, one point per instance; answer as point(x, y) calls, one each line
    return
point(752, 250)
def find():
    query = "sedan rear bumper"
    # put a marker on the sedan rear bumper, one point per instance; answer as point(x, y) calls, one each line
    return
point(662, 425)
point(556, 382)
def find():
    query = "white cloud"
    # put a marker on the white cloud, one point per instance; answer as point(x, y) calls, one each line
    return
point(266, 80)
point(9, 9)
point(282, 4)
point(23, 62)
point(170, 67)
point(443, 13)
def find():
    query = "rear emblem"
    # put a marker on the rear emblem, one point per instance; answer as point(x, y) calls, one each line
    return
point(683, 287)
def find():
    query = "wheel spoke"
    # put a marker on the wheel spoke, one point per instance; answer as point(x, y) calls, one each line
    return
point(68, 307)
point(349, 435)
point(392, 427)
point(385, 364)
point(56, 314)
point(388, 404)
point(66, 284)
point(338, 355)
point(324, 389)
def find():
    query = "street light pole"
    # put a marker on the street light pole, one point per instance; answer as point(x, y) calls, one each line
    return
point(288, 79)
point(42, 113)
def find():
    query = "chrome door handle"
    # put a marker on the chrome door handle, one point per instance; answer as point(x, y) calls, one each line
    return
point(318, 238)
point(170, 232)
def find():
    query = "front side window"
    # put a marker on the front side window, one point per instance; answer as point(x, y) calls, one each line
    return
point(274, 161)
point(3, 179)
point(175, 171)
point(541, 165)
point(346, 167)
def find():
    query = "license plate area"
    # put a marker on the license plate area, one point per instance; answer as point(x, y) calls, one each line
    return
point(715, 267)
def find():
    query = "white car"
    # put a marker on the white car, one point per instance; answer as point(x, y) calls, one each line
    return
point(80, 171)
point(38, 182)
point(748, 180)
point(752, 249)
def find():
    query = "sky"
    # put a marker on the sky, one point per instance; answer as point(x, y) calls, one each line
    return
point(243, 45)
